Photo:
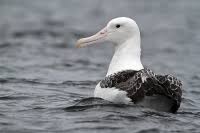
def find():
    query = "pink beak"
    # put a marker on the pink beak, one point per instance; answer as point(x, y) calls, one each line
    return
point(98, 37)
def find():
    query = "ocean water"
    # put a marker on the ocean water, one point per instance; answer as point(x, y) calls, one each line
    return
point(46, 84)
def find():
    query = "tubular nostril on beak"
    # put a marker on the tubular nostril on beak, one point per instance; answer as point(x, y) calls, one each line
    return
point(103, 31)
point(98, 37)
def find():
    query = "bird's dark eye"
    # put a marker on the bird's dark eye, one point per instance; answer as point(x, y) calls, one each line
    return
point(118, 25)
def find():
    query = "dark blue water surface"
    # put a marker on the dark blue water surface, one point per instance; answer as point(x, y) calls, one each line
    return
point(46, 83)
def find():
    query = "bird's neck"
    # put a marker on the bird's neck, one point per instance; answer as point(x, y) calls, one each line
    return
point(126, 56)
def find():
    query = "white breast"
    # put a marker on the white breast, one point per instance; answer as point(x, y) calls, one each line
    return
point(111, 94)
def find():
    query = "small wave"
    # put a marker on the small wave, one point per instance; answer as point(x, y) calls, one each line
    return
point(39, 81)
point(36, 33)
point(151, 130)
point(75, 83)
point(16, 80)
point(92, 102)
point(13, 97)
point(81, 129)
point(8, 44)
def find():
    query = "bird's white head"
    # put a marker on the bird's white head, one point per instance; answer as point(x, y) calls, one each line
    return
point(125, 35)
point(117, 31)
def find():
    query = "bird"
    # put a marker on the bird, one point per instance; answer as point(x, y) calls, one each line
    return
point(127, 81)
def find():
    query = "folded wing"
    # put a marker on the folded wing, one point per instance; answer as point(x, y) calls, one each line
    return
point(143, 83)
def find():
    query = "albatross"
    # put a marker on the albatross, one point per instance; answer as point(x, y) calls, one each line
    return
point(127, 80)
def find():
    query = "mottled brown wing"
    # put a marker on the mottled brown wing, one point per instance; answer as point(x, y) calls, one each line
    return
point(166, 85)
point(134, 86)
point(139, 84)
point(173, 89)
point(129, 81)
point(133, 82)
point(117, 78)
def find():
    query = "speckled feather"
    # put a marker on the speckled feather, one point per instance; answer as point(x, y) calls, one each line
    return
point(139, 84)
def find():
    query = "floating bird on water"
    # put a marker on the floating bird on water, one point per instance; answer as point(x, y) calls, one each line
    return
point(127, 81)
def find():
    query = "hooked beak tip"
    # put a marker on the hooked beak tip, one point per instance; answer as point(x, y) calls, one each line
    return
point(79, 44)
